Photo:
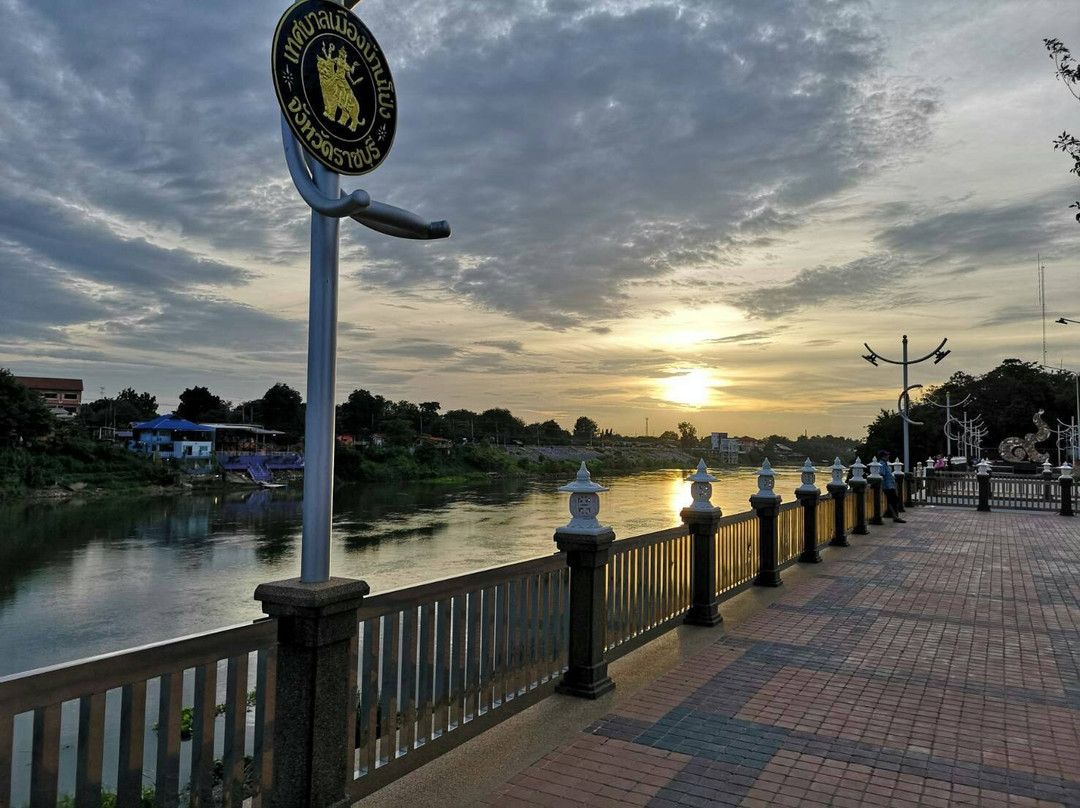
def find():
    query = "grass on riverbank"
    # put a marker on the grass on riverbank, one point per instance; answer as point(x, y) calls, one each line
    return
point(69, 460)
point(469, 462)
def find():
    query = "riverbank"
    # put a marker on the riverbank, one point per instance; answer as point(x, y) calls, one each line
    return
point(79, 468)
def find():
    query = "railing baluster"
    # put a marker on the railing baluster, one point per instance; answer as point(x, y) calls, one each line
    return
point(487, 668)
point(370, 696)
point(442, 671)
point(388, 690)
point(132, 730)
point(457, 656)
point(232, 784)
point(409, 679)
point(7, 739)
point(45, 757)
point(202, 736)
point(502, 641)
point(265, 711)
point(90, 751)
point(167, 776)
point(353, 689)
point(473, 659)
point(427, 663)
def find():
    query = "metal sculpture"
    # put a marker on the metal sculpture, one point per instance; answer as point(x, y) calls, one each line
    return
point(1019, 450)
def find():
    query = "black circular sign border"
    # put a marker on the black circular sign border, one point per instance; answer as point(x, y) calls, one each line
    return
point(303, 120)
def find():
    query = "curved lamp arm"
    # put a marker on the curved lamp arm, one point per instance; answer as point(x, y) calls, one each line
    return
point(397, 222)
point(910, 361)
point(359, 205)
point(904, 396)
point(346, 205)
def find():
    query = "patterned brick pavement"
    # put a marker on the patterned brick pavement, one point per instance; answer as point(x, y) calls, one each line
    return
point(932, 664)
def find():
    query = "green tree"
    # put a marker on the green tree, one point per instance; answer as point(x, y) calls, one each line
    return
point(142, 406)
point(1068, 71)
point(199, 404)
point(23, 416)
point(282, 408)
point(687, 434)
point(669, 434)
point(361, 413)
point(585, 428)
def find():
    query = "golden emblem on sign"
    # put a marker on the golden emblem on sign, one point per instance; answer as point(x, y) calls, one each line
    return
point(335, 75)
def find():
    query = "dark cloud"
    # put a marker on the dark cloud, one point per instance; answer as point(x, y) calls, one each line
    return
point(417, 349)
point(749, 336)
point(511, 346)
point(859, 281)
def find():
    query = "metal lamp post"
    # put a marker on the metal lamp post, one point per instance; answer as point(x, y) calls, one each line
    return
point(903, 404)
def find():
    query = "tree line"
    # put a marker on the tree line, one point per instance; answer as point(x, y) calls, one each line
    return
point(1007, 398)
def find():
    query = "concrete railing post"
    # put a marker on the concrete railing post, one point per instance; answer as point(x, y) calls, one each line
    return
point(875, 492)
point(767, 504)
point(838, 491)
point(587, 545)
point(1065, 480)
point(1048, 477)
point(808, 496)
point(982, 477)
point(317, 623)
point(702, 519)
point(858, 490)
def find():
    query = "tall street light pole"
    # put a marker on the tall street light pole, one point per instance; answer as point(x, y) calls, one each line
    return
point(1076, 381)
point(905, 399)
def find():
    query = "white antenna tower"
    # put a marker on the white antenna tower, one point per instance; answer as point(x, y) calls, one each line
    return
point(1042, 299)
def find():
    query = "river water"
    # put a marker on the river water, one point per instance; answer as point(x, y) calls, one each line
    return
point(85, 578)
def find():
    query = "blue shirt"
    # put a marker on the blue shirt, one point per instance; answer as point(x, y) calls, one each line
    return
point(887, 479)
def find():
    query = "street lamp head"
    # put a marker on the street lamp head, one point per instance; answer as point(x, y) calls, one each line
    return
point(871, 358)
point(941, 355)
point(1061, 320)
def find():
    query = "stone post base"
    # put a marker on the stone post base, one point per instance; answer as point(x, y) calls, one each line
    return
point(704, 607)
point(316, 626)
point(587, 556)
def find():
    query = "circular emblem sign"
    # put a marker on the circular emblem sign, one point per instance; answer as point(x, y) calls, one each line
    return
point(334, 86)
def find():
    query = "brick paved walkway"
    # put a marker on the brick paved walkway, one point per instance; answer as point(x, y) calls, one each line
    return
point(933, 664)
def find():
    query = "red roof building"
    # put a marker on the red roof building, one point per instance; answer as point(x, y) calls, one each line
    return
point(63, 393)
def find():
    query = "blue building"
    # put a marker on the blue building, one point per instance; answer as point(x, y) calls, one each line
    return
point(169, 436)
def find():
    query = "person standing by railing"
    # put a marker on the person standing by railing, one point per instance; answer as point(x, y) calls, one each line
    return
point(888, 487)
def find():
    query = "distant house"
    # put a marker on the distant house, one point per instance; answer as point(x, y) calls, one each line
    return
point(169, 436)
point(728, 448)
point(442, 444)
point(243, 437)
point(62, 396)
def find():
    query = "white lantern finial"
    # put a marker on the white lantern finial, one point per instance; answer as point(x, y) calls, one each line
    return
point(809, 476)
point(838, 470)
point(701, 488)
point(766, 481)
point(584, 504)
point(857, 469)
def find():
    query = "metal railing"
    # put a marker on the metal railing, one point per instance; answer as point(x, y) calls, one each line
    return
point(157, 718)
point(648, 587)
point(736, 551)
point(431, 666)
point(1020, 492)
point(437, 663)
point(1007, 491)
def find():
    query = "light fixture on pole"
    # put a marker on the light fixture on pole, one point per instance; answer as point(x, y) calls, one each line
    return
point(904, 403)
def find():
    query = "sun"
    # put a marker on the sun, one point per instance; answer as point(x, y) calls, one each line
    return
point(691, 388)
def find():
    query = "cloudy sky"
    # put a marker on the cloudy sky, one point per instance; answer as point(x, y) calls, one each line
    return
point(664, 209)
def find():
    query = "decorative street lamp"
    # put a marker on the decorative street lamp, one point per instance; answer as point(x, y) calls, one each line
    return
point(350, 73)
point(904, 402)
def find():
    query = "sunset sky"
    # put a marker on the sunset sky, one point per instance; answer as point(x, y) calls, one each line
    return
point(692, 210)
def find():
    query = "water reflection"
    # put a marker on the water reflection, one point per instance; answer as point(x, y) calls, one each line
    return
point(78, 579)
